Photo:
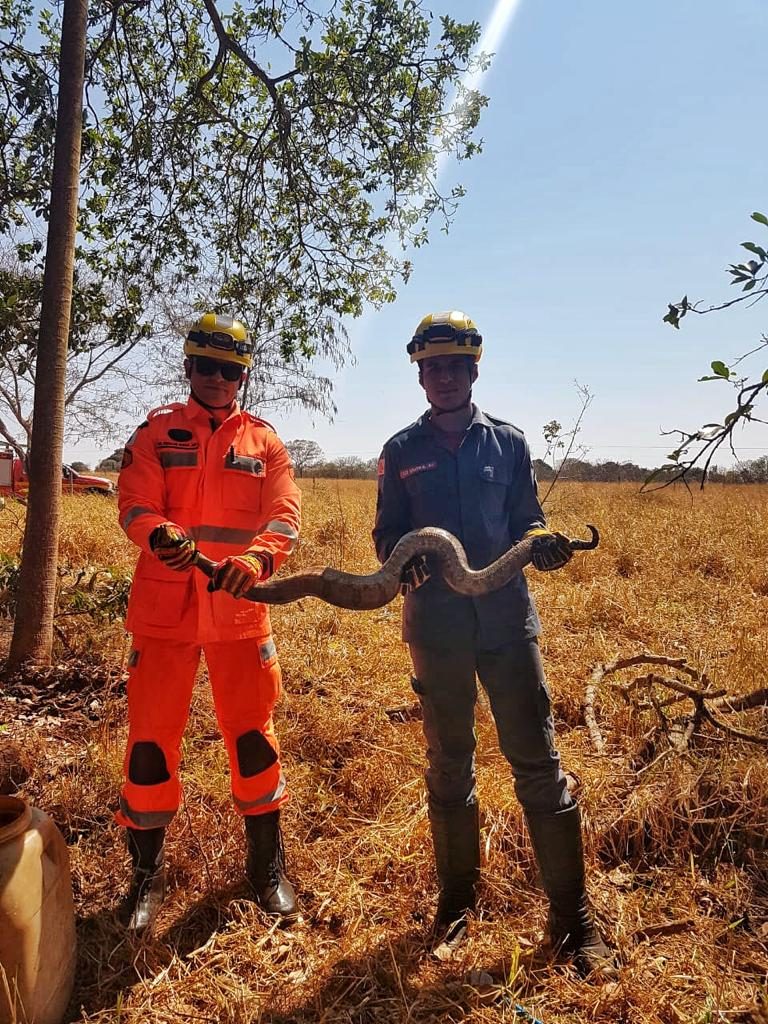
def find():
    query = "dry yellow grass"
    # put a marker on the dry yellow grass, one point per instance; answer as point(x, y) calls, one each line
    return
point(677, 847)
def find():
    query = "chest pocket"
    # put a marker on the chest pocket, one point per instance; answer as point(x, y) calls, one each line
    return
point(493, 482)
point(242, 478)
point(432, 493)
point(181, 466)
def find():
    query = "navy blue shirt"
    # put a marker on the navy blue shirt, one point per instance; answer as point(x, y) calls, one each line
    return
point(484, 494)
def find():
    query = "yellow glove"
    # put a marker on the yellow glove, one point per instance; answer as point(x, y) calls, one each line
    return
point(172, 546)
point(550, 550)
point(236, 574)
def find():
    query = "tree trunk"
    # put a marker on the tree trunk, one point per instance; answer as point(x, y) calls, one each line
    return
point(33, 629)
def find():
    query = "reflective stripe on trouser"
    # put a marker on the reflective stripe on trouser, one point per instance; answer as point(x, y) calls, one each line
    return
point(513, 677)
point(245, 681)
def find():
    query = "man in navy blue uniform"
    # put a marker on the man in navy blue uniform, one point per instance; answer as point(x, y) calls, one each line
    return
point(471, 474)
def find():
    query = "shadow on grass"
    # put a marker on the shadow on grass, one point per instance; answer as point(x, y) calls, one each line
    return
point(400, 980)
point(110, 962)
point(394, 981)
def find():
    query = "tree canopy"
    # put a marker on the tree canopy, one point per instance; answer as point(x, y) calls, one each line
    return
point(304, 453)
point(263, 162)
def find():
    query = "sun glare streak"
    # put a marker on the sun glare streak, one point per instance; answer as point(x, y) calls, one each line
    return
point(490, 43)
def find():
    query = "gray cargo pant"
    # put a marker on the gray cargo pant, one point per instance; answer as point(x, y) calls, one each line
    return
point(513, 678)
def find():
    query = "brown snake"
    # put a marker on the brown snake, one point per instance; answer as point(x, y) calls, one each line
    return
point(346, 590)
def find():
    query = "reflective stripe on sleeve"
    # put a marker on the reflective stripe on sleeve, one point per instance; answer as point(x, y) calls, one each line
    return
point(284, 529)
point(169, 459)
point(134, 513)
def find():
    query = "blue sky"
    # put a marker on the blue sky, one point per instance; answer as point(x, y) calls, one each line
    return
point(624, 152)
point(623, 157)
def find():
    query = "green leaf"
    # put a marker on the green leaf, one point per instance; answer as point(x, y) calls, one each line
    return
point(756, 249)
point(760, 218)
point(672, 317)
point(719, 368)
point(764, 378)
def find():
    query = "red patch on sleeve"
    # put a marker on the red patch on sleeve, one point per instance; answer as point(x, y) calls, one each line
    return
point(380, 467)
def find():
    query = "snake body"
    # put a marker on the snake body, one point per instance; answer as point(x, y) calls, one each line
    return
point(447, 557)
point(347, 590)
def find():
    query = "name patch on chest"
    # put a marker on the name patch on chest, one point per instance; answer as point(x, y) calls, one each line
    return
point(423, 467)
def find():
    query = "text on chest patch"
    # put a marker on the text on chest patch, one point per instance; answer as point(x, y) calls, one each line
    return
point(423, 467)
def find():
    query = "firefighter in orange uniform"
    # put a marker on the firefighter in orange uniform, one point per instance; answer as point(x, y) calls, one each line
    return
point(205, 475)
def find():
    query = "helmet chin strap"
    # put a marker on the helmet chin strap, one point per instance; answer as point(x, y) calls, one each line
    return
point(205, 405)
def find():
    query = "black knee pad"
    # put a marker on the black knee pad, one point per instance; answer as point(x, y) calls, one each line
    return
point(147, 765)
point(254, 753)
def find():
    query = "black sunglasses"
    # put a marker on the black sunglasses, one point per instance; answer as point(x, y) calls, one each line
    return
point(210, 367)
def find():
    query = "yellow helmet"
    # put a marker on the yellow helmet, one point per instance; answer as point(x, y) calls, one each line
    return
point(446, 334)
point(221, 338)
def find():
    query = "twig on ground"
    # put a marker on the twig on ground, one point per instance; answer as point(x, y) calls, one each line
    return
point(680, 732)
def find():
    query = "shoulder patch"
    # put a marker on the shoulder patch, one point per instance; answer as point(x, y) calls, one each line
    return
point(380, 467)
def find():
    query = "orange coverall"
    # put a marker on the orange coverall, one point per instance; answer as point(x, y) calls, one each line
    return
point(231, 488)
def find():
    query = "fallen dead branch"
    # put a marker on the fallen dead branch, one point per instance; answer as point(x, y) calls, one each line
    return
point(680, 731)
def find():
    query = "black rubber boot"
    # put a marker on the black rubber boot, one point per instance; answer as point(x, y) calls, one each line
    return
point(559, 851)
point(265, 866)
point(456, 840)
point(147, 892)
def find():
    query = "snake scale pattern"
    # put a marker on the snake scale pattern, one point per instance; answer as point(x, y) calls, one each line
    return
point(347, 590)
point(446, 558)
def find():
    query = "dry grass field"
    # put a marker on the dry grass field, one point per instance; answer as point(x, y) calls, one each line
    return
point(677, 841)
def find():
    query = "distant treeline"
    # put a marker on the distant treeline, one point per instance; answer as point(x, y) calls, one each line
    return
point(351, 467)
point(753, 472)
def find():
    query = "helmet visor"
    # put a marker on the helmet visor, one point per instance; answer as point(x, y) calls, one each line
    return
point(222, 341)
point(445, 339)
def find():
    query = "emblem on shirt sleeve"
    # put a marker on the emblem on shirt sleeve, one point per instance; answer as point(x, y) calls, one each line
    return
point(380, 467)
